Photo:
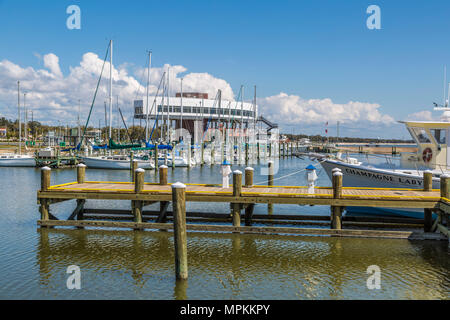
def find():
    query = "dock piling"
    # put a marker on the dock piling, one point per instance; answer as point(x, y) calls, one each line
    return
point(270, 183)
point(163, 175)
point(163, 205)
point(134, 165)
point(445, 186)
point(139, 180)
point(237, 190)
point(249, 177)
point(336, 211)
point(45, 178)
point(156, 156)
point(179, 230)
point(137, 205)
point(428, 213)
point(45, 184)
point(81, 173)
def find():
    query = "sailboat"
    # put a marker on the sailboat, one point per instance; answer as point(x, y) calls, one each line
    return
point(114, 161)
point(13, 159)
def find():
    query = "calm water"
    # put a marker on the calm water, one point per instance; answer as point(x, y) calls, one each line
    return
point(140, 265)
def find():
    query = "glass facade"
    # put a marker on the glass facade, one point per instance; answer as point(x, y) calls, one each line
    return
point(201, 110)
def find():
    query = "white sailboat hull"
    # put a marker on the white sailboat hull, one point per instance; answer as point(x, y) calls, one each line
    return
point(17, 161)
point(99, 163)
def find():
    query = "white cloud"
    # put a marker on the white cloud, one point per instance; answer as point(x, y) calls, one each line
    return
point(197, 82)
point(292, 109)
point(51, 61)
point(53, 96)
point(421, 116)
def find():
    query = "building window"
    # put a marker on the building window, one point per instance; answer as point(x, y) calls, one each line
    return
point(187, 109)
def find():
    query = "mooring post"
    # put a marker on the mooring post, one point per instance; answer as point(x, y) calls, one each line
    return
point(237, 190)
point(427, 180)
point(131, 160)
point(45, 184)
point(445, 186)
point(336, 211)
point(270, 183)
point(156, 156)
point(163, 204)
point(45, 178)
point(134, 165)
point(81, 173)
point(173, 155)
point(179, 230)
point(246, 153)
point(257, 147)
point(248, 184)
point(202, 150)
point(163, 175)
point(249, 177)
point(138, 187)
point(428, 213)
point(445, 193)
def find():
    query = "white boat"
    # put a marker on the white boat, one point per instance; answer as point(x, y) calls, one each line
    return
point(13, 159)
point(16, 160)
point(179, 161)
point(433, 141)
point(120, 162)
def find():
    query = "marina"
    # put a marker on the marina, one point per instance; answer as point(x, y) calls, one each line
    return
point(218, 160)
point(236, 261)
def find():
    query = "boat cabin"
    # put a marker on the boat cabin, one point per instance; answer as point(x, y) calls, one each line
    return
point(433, 141)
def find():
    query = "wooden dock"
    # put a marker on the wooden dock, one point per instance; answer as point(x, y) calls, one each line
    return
point(242, 198)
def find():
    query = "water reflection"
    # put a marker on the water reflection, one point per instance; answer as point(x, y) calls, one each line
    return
point(232, 266)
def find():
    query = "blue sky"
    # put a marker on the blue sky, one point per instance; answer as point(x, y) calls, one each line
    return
point(311, 49)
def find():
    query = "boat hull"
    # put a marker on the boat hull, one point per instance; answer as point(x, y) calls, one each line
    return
point(98, 163)
point(362, 176)
point(18, 162)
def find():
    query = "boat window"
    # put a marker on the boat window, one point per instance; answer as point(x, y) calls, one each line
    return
point(421, 135)
point(439, 135)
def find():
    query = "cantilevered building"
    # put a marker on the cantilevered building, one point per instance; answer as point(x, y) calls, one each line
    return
point(199, 112)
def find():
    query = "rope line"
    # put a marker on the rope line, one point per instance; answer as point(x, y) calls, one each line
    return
point(288, 175)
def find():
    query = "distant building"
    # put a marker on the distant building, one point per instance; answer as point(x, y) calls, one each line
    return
point(198, 113)
point(3, 131)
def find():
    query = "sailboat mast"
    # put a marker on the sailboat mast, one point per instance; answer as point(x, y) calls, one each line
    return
point(79, 126)
point(254, 113)
point(110, 88)
point(168, 105)
point(181, 119)
point(148, 82)
point(118, 120)
point(25, 116)
point(20, 124)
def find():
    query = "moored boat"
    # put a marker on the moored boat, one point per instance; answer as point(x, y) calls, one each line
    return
point(120, 162)
point(433, 141)
point(16, 160)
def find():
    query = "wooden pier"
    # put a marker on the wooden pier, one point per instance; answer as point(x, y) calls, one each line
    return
point(242, 197)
